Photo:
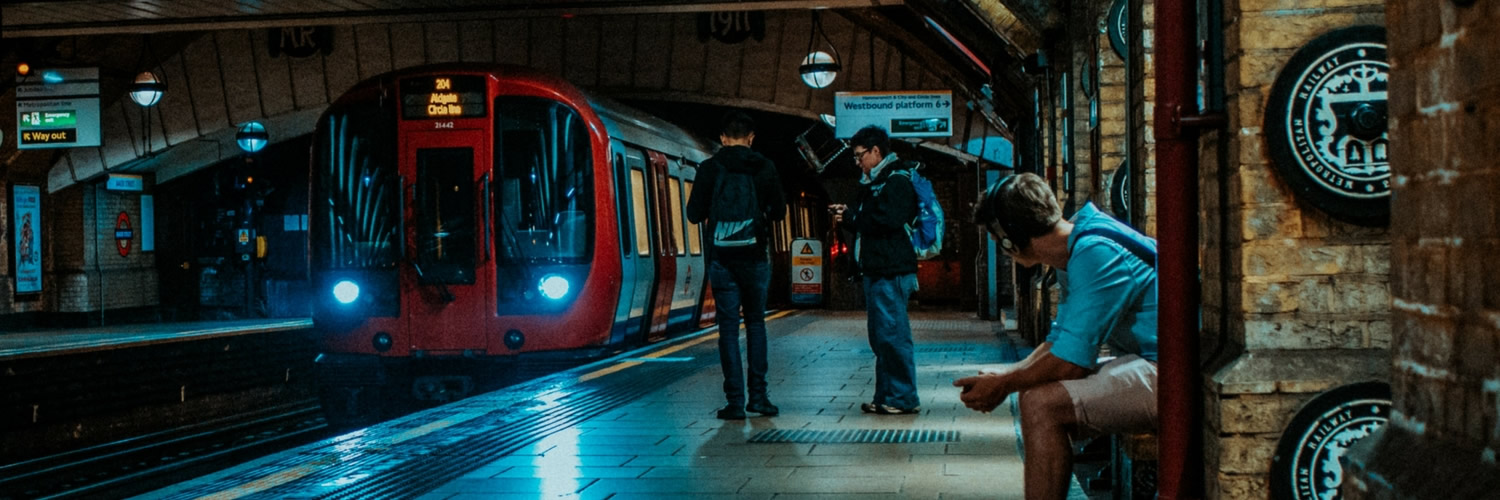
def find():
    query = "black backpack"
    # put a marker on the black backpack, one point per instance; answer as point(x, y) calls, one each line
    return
point(735, 210)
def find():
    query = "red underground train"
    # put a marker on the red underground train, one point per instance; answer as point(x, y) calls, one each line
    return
point(464, 217)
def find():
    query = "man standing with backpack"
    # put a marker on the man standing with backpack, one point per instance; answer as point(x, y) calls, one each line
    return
point(738, 192)
point(884, 250)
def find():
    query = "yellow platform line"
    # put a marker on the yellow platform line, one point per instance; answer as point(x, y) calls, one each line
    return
point(617, 367)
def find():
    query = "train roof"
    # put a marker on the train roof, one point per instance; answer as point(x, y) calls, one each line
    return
point(649, 130)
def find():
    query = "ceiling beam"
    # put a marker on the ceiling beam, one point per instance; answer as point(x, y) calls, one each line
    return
point(39, 19)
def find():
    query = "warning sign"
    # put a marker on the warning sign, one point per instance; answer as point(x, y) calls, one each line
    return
point(807, 271)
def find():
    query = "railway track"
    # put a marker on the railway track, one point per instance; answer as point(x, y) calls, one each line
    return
point(142, 463)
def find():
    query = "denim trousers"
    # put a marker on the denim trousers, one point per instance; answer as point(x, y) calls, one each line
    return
point(890, 338)
point(741, 284)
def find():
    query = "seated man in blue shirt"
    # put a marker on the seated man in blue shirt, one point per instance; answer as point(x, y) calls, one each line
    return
point(1108, 296)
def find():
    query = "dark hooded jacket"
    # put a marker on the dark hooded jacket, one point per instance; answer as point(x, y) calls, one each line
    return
point(886, 205)
point(767, 189)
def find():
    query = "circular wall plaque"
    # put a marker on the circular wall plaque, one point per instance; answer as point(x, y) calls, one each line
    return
point(1308, 463)
point(1326, 125)
point(1119, 25)
point(1119, 192)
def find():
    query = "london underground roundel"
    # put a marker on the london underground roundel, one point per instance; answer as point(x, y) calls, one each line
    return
point(1326, 125)
point(1309, 457)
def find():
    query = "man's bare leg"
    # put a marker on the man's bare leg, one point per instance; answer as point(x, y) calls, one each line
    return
point(1046, 417)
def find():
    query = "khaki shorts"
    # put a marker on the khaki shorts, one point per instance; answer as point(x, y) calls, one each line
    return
point(1119, 398)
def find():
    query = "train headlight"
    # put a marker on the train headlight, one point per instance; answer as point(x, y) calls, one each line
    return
point(553, 286)
point(346, 291)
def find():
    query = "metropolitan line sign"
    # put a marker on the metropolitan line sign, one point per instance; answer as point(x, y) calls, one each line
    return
point(902, 114)
point(57, 108)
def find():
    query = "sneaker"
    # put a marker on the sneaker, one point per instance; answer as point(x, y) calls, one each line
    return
point(891, 410)
point(731, 412)
point(869, 408)
point(763, 407)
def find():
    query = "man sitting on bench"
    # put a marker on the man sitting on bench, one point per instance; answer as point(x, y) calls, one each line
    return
point(1108, 295)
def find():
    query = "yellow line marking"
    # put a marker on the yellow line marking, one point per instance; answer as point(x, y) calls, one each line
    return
point(622, 366)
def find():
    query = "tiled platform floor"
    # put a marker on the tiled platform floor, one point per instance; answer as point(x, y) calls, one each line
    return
point(667, 444)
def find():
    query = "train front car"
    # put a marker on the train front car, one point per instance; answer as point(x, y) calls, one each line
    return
point(453, 227)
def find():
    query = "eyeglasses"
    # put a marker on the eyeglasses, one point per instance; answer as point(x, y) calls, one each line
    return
point(861, 154)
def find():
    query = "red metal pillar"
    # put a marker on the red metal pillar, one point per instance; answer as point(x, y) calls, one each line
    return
point(1180, 383)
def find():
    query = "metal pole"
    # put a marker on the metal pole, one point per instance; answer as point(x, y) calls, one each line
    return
point(1180, 386)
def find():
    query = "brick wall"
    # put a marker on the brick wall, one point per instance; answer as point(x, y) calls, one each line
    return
point(1445, 117)
point(86, 259)
point(1112, 125)
point(1142, 74)
point(1303, 299)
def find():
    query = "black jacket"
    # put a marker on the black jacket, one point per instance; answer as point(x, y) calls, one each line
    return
point(767, 189)
point(886, 205)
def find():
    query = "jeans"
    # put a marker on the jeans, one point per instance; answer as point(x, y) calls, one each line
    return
point(890, 338)
point(740, 283)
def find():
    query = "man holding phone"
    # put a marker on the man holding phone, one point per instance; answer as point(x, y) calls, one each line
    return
point(1108, 297)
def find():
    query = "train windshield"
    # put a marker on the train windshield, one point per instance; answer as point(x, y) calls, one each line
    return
point(543, 182)
point(355, 189)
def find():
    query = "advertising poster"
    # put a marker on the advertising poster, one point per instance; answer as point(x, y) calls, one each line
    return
point(26, 238)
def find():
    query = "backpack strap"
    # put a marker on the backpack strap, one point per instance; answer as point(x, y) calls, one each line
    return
point(1136, 248)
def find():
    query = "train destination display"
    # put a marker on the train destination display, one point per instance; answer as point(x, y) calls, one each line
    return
point(442, 97)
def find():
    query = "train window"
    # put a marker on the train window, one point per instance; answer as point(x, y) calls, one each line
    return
point(624, 208)
point(444, 210)
point(806, 220)
point(544, 195)
point(674, 191)
point(355, 188)
point(786, 234)
point(638, 205)
point(695, 239)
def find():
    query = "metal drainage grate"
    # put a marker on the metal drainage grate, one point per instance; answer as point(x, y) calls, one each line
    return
point(945, 348)
point(854, 436)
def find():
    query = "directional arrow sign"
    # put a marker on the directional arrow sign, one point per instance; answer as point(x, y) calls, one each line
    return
point(902, 114)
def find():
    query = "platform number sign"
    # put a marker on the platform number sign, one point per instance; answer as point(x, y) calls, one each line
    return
point(1326, 125)
point(1309, 457)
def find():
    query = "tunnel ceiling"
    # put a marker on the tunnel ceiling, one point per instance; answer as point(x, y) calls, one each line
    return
point(997, 32)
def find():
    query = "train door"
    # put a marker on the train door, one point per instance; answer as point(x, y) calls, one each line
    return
point(666, 254)
point(690, 270)
point(641, 223)
point(703, 305)
point(623, 327)
point(448, 303)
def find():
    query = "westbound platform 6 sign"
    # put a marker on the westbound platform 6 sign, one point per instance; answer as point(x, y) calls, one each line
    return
point(58, 108)
point(902, 114)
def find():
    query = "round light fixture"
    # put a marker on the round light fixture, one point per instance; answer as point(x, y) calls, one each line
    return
point(819, 69)
point(252, 137)
point(147, 89)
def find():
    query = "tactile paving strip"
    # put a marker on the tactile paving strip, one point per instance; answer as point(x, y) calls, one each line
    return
point(855, 436)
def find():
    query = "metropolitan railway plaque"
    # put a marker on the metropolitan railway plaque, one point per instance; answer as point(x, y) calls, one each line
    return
point(1326, 125)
